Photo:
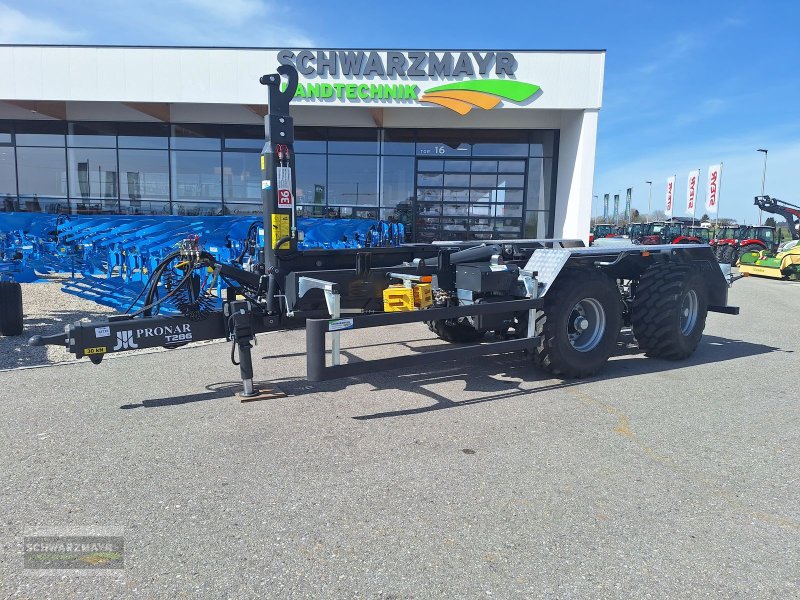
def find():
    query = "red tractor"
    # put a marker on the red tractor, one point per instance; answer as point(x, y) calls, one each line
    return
point(701, 234)
point(672, 232)
point(747, 238)
point(725, 235)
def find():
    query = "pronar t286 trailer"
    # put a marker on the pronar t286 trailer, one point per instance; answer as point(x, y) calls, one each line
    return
point(562, 303)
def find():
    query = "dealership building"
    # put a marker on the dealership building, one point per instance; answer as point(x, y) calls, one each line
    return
point(457, 144)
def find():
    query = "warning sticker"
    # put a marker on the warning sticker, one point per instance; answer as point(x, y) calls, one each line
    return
point(98, 350)
point(280, 228)
point(339, 324)
point(284, 183)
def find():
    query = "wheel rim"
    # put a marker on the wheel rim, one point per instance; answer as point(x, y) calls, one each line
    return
point(586, 325)
point(689, 310)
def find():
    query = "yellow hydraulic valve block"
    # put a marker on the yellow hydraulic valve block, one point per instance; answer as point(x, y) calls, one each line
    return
point(399, 298)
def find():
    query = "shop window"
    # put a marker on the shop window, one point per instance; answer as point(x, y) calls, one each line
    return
point(92, 135)
point(352, 212)
point(456, 179)
point(243, 210)
point(311, 211)
point(492, 149)
point(536, 224)
point(42, 172)
point(310, 140)
point(542, 143)
point(197, 209)
point(144, 175)
point(353, 140)
point(8, 176)
point(92, 173)
point(41, 133)
point(196, 176)
point(5, 133)
point(143, 135)
point(430, 166)
point(353, 180)
point(430, 179)
point(42, 204)
point(511, 166)
point(504, 180)
point(397, 185)
point(539, 184)
point(241, 176)
point(196, 137)
point(483, 166)
point(244, 137)
point(398, 142)
point(483, 180)
point(510, 196)
point(143, 207)
point(500, 143)
point(456, 166)
point(429, 195)
point(311, 173)
point(444, 142)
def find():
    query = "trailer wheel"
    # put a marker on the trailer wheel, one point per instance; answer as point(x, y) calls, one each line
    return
point(669, 311)
point(579, 324)
point(456, 331)
point(10, 308)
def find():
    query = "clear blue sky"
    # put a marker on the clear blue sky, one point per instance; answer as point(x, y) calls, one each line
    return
point(687, 84)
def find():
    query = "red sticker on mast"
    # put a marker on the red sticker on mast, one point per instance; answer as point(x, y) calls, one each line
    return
point(285, 197)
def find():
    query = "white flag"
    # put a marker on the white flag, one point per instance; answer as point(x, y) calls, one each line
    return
point(691, 191)
point(712, 192)
point(670, 195)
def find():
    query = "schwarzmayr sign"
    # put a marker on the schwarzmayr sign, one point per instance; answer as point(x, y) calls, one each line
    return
point(478, 79)
point(412, 64)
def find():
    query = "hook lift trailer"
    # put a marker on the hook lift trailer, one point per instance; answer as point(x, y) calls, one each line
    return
point(562, 303)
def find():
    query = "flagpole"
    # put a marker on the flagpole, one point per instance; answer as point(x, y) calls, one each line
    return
point(719, 191)
point(694, 205)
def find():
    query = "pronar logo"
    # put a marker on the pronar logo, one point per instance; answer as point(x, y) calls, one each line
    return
point(463, 96)
point(125, 340)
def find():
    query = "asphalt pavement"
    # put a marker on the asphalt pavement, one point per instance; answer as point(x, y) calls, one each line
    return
point(485, 479)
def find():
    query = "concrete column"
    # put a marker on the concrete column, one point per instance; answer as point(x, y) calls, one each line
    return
point(576, 154)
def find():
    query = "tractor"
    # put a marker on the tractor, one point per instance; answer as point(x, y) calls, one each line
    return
point(671, 232)
point(747, 238)
point(702, 234)
point(603, 230)
point(722, 237)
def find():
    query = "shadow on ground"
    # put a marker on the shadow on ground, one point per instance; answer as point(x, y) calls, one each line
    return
point(498, 377)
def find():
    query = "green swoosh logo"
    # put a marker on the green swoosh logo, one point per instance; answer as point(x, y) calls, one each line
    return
point(517, 91)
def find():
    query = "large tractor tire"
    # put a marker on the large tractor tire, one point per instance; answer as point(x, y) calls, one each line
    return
point(728, 255)
point(579, 324)
point(456, 331)
point(10, 308)
point(749, 248)
point(669, 311)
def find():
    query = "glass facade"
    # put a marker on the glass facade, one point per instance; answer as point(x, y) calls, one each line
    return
point(442, 183)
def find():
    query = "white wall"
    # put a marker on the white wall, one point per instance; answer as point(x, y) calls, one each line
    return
point(575, 174)
point(569, 80)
